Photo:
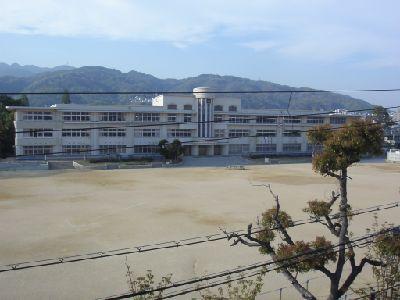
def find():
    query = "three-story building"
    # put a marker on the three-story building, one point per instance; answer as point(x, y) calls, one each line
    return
point(205, 123)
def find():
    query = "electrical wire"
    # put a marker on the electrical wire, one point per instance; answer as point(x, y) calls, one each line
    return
point(169, 244)
point(245, 121)
point(225, 273)
point(154, 92)
point(197, 141)
point(377, 292)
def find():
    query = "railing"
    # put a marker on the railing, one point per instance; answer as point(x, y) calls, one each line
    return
point(393, 155)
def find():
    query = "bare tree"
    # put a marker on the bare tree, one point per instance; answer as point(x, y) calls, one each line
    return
point(340, 149)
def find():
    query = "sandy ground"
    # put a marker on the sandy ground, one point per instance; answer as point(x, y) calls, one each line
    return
point(52, 214)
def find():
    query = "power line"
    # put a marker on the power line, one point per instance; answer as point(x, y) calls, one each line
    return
point(225, 273)
point(169, 244)
point(197, 141)
point(154, 92)
point(377, 292)
point(201, 122)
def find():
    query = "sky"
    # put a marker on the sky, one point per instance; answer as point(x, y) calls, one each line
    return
point(323, 44)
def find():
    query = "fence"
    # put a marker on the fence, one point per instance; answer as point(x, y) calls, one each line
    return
point(393, 155)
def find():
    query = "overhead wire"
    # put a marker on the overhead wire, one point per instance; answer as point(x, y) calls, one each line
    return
point(315, 252)
point(155, 92)
point(153, 124)
point(173, 244)
point(200, 140)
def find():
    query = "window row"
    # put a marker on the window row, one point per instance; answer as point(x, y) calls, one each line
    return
point(75, 133)
point(38, 115)
point(110, 149)
point(112, 132)
point(185, 107)
point(239, 133)
point(76, 116)
point(38, 132)
point(231, 108)
point(147, 132)
point(238, 148)
point(179, 133)
point(37, 149)
point(76, 149)
point(272, 148)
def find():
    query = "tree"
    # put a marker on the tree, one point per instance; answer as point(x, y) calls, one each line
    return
point(65, 99)
point(386, 248)
point(170, 150)
point(340, 149)
point(381, 115)
point(7, 131)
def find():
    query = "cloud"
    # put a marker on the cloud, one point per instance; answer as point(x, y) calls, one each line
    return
point(260, 45)
point(310, 30)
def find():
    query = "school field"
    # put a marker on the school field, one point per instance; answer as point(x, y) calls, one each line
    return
point(51, 214)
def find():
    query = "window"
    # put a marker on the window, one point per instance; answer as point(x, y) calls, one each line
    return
point(219, 133)
point(291, 120)
point(76, 149)
point(147, 117)
point(147, 132)
point(338, 120)
point(171, 118)
point(179, 133)
point(38, 115)
point(266, 133)
point(172, 106)
point(238, 148)
point(187, 118)
point(37, 149)
point(112, 116)
point(315, 120)
point(238, 132)
point(218, 108)
point(239, 119)
point(108, 149)
point(38, 132)
point(291, 148)
point(292, 133)
point(112, 132)
point(146, 149)
point(187, 107)
point(266, 120)
point(232, 108)
point(76, 116)
point(266, 148)
point(75, 133)
point(218, 118)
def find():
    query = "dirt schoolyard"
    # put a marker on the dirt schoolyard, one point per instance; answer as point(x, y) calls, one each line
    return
point(51, 214)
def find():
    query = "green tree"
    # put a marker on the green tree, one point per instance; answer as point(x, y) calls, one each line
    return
point(170, 150)
point(386, 248)
point(65, 99)
point(381, 115)
point(7, 131)
point(340, 149)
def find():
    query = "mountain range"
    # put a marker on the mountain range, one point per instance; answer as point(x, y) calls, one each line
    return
point(17, 78)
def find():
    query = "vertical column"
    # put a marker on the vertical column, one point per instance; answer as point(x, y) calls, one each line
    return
point(195, 150)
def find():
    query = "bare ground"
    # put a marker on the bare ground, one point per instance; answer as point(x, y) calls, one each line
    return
point(53, 214)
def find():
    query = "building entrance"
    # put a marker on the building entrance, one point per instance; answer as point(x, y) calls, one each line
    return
point(203, 150)
point(217, 149)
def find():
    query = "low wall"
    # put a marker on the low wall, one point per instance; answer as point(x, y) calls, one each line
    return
point(24, 166)
point(110, 166)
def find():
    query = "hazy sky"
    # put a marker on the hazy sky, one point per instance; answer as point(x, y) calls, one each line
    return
point(321, 44)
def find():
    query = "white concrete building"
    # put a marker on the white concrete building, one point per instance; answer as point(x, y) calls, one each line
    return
point(205, 123)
